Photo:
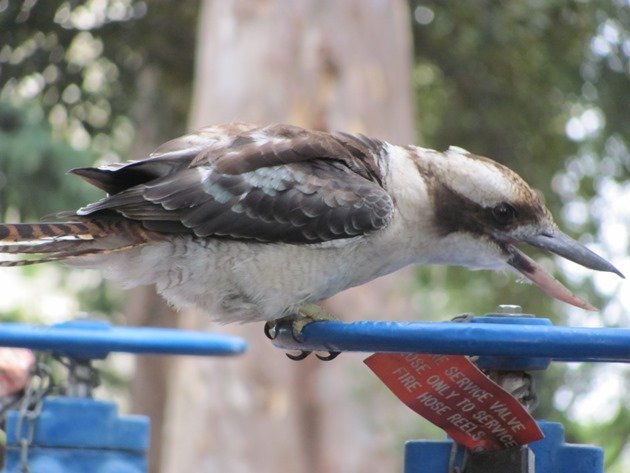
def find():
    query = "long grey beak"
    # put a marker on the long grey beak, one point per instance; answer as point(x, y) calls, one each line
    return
point(565, 246)
point(562, 245)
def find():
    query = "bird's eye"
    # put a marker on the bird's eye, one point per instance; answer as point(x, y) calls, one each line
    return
point(504, 213)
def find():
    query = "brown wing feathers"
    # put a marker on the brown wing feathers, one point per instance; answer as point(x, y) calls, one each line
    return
point(273, 184)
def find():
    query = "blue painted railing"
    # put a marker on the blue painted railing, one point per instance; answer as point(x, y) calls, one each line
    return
point(92, 339)
point(490, 336)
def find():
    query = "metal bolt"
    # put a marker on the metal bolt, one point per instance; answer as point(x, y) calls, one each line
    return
point(509, 309)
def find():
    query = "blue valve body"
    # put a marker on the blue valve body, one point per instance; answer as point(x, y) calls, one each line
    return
point(551, 454)
point(77, 435)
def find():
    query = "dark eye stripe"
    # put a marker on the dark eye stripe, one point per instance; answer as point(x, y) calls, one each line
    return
point(456, 213)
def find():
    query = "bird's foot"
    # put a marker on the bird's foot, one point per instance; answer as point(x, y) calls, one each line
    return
point(305, 315)
point(271, 332)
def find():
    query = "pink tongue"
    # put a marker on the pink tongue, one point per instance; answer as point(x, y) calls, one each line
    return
point(551, 285)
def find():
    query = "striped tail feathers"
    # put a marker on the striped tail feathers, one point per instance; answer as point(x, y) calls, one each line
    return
point(19, 232)
point(67, 240)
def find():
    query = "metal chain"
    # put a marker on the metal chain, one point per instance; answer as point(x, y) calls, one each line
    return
point(39, 386)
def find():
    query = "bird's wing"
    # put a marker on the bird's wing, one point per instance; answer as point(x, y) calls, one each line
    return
point(272, 184)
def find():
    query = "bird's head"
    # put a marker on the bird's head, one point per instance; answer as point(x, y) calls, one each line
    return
point(490, 209)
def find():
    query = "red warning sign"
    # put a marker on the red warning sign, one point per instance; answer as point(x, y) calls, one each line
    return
point(452, 393)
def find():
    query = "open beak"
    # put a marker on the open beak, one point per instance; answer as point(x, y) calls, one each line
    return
point(562, 245)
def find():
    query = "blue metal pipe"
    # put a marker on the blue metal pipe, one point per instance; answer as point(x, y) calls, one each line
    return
point(489, 339)
point(89, 339)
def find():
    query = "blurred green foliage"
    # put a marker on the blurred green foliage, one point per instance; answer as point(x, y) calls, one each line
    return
point(33, 166)
point(504, 80)
point(82, 63)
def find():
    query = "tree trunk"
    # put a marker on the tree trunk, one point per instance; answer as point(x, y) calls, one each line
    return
point(319, 64)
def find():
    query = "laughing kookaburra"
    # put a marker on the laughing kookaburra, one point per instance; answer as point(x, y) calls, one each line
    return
point(252, 223)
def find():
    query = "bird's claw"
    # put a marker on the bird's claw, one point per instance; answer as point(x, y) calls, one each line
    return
point(331, 356)
point(299, 356)
point(271, 332)
point(305, 316)
point(304, 353)
point(270, 329)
